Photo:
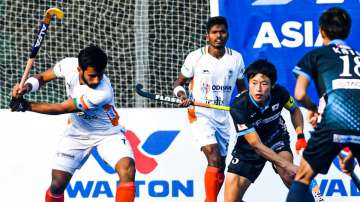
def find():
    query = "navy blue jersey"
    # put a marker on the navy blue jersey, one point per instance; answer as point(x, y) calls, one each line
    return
point(335, 69)
point(266, 121)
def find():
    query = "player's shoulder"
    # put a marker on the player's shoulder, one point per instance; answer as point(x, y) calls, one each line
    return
point(69, 62)
point(235, 55)
point(66, 67)
point(314, 53)
point(199, 52)
point(241, 99)
point(233, 52)
point(279, 92)
point(279, 88)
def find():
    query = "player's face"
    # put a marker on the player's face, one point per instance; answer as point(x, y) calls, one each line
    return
point(91, 77)
point(260, 87)
point(217, 36)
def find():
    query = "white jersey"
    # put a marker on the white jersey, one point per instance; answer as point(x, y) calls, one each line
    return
point(213, 80)
point(98, 115)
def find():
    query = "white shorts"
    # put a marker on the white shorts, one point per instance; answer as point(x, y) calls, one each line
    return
point(73, 151)
point(208, 132)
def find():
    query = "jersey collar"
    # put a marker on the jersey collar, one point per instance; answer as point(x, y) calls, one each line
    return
point(338, 41)
point(262, 109)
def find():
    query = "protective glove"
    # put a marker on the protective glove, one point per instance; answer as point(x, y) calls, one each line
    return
point(19, 104)
point(300, 143)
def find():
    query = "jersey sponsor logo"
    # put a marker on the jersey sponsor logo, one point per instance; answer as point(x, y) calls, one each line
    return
point(86, 116)
point(221, 88)
point(293, 34)
point(242, 126)
point(346, 84)
point(268, 120)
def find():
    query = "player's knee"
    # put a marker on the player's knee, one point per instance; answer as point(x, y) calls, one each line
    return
point(211, 152)
point(57, 186)
point(126, 169)
point(304, 174)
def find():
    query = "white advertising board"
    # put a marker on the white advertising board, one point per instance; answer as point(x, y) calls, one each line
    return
point(171, 167)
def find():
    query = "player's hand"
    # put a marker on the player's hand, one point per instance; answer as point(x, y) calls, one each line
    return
point(185, 101)
point(346, 161)
point(19, 104)
point(313, 118)
point(301, 143)
point(290, 172)
point(18, 92)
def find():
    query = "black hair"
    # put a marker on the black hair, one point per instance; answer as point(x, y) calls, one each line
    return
point(92, 56)
point(264, 67)
point(217, 20)
point(336, 23)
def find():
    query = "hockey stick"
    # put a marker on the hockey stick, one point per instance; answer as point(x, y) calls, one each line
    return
point(175, 100)
point(355, 179)
point(315, 189)
point(39, 39)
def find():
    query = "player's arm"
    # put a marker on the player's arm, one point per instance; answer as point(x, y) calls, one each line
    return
point(298, 123)
point(240, 84)
point(33, 83)
point(254, 140)
point(68, 106)
point(302, 83)
point(180, 92)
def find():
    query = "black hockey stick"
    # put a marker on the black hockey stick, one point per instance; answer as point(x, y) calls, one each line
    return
point(175, 100)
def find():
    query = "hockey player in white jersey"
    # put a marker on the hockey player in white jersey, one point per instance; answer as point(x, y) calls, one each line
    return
point(213, 70)
point(93, 121)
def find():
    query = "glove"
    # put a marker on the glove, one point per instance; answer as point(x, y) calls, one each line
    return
point(300, 143)
point(19, 104)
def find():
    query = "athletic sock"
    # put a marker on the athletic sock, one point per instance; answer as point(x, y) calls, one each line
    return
point(49, 197)
point(221, 178)
point(299, 192)
point(213, 182)
point(125, 192)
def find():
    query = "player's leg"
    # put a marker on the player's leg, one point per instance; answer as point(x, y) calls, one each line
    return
point(125, 168)
point(67, 160)
point(235, 187)
point(204, 133)
point(60, 179)
point(317, 158)
point(240, 174)
point(289, 157)
point(214, 174)
point(116, 151)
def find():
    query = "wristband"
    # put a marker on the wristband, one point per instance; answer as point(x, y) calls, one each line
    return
point(34, 83)
point(177, 89)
